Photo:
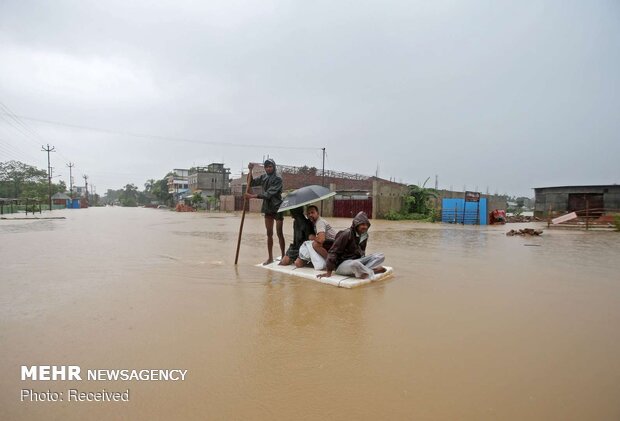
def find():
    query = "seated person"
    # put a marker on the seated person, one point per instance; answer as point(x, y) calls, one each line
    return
point(347, 256)
point(324, 235)
point(303, 230)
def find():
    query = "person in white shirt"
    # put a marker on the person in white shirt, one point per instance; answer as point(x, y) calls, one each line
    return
point(324, 233)
point(324, 237)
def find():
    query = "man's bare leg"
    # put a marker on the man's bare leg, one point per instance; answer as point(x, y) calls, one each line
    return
point(299, 263)
point(318, 247)
point(285, 261)
point(379, 269)
point(269, 228)
point(280, 235)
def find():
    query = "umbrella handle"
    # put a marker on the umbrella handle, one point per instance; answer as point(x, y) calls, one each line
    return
point(245, 202)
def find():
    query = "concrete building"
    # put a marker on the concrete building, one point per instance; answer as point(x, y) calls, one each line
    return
point(355, 192)
point(597, 199)
point(178, 181)
point(212, 180)
point(79, 191)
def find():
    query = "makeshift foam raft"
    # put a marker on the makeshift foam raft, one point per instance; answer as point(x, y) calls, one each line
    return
point(335, 280)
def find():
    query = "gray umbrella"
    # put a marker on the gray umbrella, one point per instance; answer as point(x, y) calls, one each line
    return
point(305, 196)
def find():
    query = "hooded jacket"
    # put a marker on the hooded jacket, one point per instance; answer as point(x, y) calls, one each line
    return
point(272, 190)
point(348, 244)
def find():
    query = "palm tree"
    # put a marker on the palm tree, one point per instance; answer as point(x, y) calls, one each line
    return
point(149, 185)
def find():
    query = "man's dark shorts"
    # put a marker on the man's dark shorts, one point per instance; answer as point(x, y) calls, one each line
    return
point(292, 252)
point(277, 216)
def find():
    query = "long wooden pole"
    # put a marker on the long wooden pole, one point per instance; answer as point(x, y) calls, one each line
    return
point(245, 205)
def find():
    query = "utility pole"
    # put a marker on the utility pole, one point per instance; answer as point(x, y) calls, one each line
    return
point(436, 182)
point(49, 171)
point(323, 173)
point(86, 189)
point(323, 178)
point(71, 165)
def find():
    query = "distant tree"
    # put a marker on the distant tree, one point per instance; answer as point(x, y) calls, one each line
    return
point(197, 199)
point(129, 196)
point(112, 196)
point(417, 201)
point(160, 191)
point(15, 177)
point(149, 185)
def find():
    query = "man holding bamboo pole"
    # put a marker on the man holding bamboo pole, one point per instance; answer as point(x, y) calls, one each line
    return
point(272, 199)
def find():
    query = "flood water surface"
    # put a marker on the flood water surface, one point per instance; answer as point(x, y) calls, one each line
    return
point(474, 324)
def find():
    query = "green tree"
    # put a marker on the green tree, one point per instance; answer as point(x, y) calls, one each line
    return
point(15, 177)
point(129, 196)
point(160, 191)
point(417, 201)
point(197, 199)
point(112, 196)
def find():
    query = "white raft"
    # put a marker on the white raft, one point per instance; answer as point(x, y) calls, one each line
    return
point(335, 280)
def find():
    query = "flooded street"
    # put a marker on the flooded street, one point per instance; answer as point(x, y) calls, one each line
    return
point(474, 324)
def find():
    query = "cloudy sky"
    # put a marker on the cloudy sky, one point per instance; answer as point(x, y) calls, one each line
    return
point(503, 96)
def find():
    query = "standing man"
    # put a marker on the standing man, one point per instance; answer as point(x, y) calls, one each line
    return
point(348, 254)
point(272, 198)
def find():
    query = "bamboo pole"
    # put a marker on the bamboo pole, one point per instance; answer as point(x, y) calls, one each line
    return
point(245, 205)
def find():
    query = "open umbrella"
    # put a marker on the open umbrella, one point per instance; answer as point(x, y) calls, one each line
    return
point(305, 196)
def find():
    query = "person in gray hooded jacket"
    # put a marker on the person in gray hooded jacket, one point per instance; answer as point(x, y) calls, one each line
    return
point(347, 256)
point(271, 183)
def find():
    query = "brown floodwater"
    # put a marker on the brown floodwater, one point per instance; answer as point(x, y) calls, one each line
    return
point(474, 325)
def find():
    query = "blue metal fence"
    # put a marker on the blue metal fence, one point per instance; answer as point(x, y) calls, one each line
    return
point(457, 211)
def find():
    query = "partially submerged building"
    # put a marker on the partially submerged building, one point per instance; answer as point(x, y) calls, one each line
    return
point(595, 199)
point(355, 192)
point(212, 180)
point(177, 180)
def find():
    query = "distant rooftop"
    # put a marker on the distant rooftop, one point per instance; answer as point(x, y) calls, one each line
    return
point(579, 187)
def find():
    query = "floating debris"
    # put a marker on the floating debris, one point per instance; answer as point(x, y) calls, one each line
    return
point(524, 232)
point(521, 218)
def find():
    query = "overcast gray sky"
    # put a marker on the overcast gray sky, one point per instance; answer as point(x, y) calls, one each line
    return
point(499, 95)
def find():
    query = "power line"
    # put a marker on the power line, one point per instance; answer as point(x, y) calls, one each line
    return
point(14, 117)
point(166, 138)
point(17, 151)
point(29, 129)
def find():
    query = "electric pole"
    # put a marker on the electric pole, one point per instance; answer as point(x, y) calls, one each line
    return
point(71, 165)
point(323, 178)
point(86, 189)
point(323, 173)
point(49, 171)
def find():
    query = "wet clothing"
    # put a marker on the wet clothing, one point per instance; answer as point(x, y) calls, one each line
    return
point(302, 229)
point(321, 225)
point(277, 216)
point(349, 245)
point(272, 191)
point(361, 266)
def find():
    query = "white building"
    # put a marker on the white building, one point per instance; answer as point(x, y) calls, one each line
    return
point(178, 182)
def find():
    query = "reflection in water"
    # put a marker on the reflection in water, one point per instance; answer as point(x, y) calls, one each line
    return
point(474, 325)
